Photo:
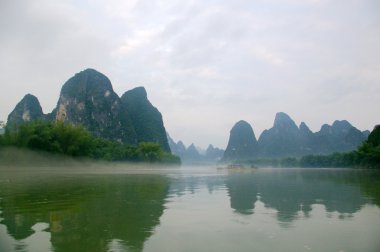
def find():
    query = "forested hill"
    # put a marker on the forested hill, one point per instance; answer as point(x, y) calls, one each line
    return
point(88, 99)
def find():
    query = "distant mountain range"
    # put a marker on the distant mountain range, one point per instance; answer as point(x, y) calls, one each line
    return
point(286, 139)
point(88, 99)
point(193, 154)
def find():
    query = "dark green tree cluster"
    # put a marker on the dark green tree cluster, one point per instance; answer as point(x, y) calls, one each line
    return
point(52, 137)
point(334, 160)
point(76, 141)
point(369, 151)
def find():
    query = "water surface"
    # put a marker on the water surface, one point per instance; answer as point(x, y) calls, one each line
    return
point(189, 209)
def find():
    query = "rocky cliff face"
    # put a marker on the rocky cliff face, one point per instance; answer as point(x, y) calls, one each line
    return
point(88, 99)
point(146, 119)
point(28, 109)
point(242, 143)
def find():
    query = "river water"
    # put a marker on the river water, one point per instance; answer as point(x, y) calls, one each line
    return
point(189, 209)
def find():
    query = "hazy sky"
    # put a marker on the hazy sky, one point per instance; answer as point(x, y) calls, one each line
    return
point(205, 63)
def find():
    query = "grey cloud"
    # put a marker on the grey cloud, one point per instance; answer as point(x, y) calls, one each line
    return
point(206, 64)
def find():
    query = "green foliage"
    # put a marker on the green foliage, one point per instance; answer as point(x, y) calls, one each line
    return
point(52, 137)
point(374, 137)
point(151, 152)
point(369, 155)
point(76, 141)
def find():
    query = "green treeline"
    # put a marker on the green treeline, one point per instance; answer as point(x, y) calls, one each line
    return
point(76, 141)
point(367, 156)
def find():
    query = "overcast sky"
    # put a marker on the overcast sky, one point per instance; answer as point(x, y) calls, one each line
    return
point(205, 63)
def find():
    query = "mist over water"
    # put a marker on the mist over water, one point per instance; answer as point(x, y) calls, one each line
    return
point(53, 204)
point(26, 161)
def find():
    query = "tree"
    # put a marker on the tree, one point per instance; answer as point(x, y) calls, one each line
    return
point(76, 141)
point(150, 152)
point(374, 137)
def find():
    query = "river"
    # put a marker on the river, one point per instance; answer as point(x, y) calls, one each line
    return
point(189, 209)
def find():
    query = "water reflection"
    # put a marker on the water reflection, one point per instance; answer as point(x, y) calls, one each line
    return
point(85, 213)
point(123, 212)
point(243, 192)
point(293, 191)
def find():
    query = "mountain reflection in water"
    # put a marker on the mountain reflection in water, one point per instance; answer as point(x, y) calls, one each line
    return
point(291, 191)
point(121, 212)
point(85, 213)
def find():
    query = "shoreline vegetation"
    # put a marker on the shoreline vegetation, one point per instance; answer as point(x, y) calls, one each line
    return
point(67, 140)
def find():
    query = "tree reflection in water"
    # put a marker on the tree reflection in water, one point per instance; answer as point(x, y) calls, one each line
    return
point(85, 213)
point(121, 212)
